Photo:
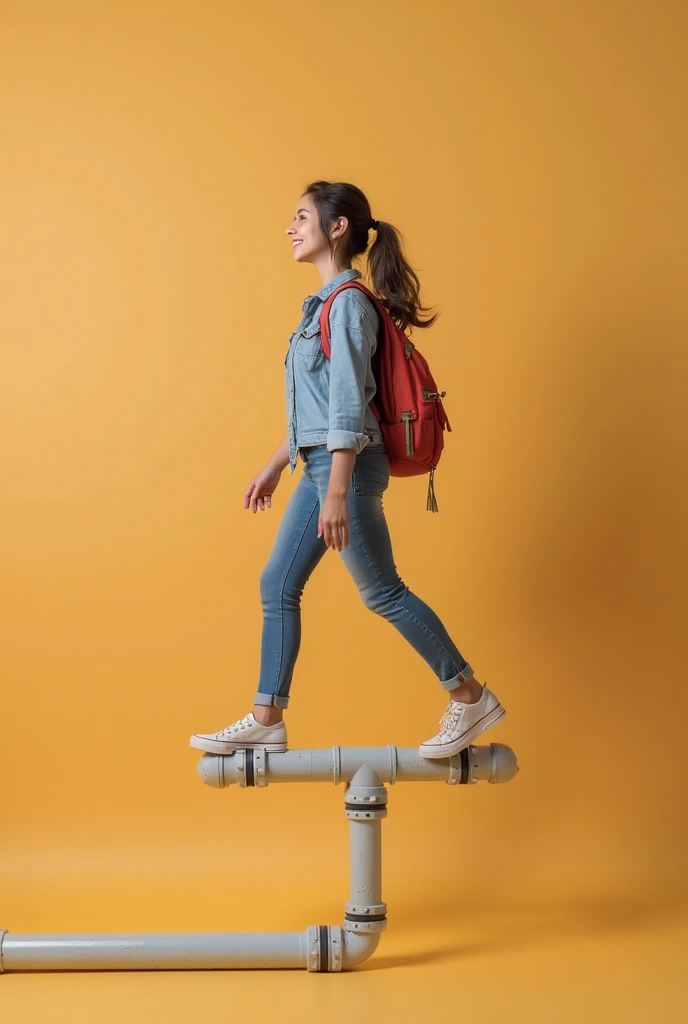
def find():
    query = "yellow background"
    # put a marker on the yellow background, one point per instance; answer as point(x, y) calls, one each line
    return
point(534, 156)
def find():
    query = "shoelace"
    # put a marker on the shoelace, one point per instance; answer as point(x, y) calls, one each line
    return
point(451, 717)
point(243, 723)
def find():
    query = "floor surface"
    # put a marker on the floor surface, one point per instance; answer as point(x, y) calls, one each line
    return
point(580, 965)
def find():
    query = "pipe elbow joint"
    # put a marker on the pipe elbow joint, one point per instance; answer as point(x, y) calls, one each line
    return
point(358, 946)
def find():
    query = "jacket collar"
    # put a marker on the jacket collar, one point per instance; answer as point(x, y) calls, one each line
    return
point(346, 275)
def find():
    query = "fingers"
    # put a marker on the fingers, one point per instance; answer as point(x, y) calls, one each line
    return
point(336, 536)
point(255, 499)
point(263, 502)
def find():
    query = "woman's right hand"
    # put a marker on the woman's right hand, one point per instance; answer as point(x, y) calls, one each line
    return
point(260, 490)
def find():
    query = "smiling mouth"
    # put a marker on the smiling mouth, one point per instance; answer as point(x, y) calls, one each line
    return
point(297, 243)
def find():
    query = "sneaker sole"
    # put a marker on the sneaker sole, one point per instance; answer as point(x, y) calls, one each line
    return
point(227, 747)
point(459, 744)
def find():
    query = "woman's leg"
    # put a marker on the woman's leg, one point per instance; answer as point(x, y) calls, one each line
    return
point(295, 554)
point(472, 708)
point(369, 560)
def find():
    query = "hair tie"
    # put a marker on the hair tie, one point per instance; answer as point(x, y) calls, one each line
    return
point(374, 225)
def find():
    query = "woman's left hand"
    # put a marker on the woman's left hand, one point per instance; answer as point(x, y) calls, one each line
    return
point(333, 522)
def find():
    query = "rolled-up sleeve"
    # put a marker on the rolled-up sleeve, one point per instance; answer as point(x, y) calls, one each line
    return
point(351, 353)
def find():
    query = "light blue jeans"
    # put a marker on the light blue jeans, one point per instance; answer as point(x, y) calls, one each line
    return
point(368, 557)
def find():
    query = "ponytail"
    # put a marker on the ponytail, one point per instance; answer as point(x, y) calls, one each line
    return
point(392, 277)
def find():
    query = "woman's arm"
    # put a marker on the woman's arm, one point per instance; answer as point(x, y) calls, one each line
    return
point(352, 338)
point(340, 475)
point(333, 521)
point(352, 342)
point(349, 360)
point(258, 494)
point(279, 459)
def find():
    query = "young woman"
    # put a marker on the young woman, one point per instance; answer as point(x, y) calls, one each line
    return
point(337, 502)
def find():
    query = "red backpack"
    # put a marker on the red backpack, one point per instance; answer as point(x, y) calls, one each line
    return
point(407, 403)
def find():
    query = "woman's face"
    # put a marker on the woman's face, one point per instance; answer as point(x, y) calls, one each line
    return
point(308, 241)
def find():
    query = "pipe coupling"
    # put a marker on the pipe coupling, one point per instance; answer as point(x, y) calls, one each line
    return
point(324, 948)
point(370, 917)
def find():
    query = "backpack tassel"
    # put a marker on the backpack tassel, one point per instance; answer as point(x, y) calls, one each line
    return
point(432, 500)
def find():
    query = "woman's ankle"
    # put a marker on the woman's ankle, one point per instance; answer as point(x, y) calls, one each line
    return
point(267, 714)
point(467, 692)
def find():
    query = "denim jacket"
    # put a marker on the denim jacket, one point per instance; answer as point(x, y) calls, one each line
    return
point(327, 399)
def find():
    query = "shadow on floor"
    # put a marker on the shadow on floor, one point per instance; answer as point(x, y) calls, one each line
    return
point(490, 928)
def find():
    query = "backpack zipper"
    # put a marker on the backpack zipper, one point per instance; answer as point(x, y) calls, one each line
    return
point(407, 417)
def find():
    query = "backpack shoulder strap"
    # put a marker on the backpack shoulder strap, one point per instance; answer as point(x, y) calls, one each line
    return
point(325, 311)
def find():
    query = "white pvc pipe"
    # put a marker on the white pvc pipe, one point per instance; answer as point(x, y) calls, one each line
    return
point(358, 947)
point(185, 952)
point(366, 863)
point(493, 763)
point(365, 807)
point(319, 948)
point(150, 951)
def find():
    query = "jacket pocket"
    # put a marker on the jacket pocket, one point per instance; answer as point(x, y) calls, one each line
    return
point(309, 346)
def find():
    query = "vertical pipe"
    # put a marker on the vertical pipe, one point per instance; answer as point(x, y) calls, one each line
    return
point(365, 848)
point(365, 913)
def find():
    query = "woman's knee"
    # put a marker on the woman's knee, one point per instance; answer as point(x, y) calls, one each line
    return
point(382, 597)
point(276, 588)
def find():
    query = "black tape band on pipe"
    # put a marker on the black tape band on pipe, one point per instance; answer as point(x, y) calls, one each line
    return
point(250, 780)
point(324, 947)
point(365, 917)
point(364, 807)
point(465, 768)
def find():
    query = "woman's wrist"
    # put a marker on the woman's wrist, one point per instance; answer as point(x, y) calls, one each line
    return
point(279, 460)
point(340, 474)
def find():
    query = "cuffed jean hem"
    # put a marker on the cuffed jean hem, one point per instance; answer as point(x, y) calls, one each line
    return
point(268, 699)
point(464, 675)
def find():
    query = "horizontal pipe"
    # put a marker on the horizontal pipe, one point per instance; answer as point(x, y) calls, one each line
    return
point(319, 949)
point(153, 951)
point(493, 763)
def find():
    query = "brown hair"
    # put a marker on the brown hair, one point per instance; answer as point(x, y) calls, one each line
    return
point(393, 279)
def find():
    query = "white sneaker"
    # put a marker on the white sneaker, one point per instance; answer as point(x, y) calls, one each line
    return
point(246, 734)
point(461, 724)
